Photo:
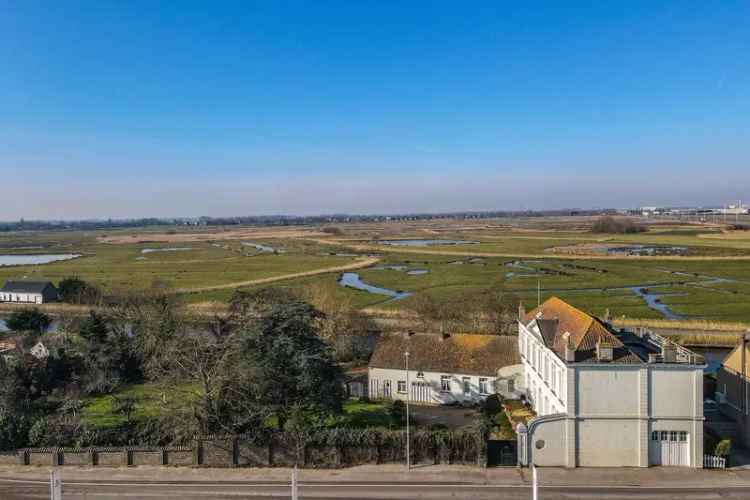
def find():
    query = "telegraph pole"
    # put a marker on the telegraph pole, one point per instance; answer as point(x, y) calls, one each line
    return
point(408, 454)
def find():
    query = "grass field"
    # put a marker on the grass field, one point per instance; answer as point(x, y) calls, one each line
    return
point(217, 258)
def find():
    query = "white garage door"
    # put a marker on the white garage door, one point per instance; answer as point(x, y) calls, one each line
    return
point(669, 448)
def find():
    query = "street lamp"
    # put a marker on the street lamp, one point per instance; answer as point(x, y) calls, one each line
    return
point(408, 455)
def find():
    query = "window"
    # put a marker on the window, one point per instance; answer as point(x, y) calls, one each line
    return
point(467, 386)
point(511, 385)
point(654, 435)
point(673, 436)
point(483, 386)
point(683, 436)
point(445, 383)
point(402, 386)
point(664, 435)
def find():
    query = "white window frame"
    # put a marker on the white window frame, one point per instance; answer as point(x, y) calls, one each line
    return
point(466, 381)
point(401, 387)
point(445, 383)
point(483, 386)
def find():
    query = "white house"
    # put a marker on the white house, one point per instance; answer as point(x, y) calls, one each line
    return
point(607, 398)
point(29, 292)
point(444, 369)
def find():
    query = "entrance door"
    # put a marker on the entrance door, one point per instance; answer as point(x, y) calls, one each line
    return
point(386, 389)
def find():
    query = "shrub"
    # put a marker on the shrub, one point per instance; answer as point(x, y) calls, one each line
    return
point(397, 412)
point(724, 448)
point(28, 320)
point(336, 231)
point(76, 291)
point(610, 225)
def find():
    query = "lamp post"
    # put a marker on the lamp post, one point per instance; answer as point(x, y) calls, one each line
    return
point(408, 455)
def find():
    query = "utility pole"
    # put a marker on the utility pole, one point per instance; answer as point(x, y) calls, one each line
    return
point(295, 493)
point(534, 483)
point(55, 484)
point(538, 292)
point(408, 450)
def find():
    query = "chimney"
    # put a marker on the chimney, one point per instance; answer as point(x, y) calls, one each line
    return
point(570, 352)
point(521, 311)
point(668, 352)
point(604, 351)
point(607, 317)
point(444, 336)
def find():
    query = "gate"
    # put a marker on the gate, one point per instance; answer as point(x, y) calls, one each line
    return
point(502, 453)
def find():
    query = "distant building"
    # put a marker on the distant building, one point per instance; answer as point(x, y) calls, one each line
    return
point(445, 369)
point(607, 398)
point(29, 292)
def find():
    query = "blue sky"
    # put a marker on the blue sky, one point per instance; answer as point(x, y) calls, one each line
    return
point(229, 108)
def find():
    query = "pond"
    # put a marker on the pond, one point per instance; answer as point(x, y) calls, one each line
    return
point(32, 260)
point(404, 268)
point(352, 280)
point(425, 243)
point(263, 248)
point(169, 249)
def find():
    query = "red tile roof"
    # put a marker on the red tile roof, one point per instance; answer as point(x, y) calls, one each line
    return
point(556, 317)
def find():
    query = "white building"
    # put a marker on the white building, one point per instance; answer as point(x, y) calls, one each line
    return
point(29, 292)
point(607, 398)
point(445, 369)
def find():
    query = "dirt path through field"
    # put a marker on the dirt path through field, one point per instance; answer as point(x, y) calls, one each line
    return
point(359, 264)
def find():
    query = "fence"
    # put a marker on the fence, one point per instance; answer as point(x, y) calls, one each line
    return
point(278, 451)
point(714, 462)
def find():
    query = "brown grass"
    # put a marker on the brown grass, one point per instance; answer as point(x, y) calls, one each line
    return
point(692, 324)
point(217, 234)
point(711, 340)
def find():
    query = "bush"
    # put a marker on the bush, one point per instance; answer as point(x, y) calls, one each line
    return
point(724, 448)
point(610, 225)
point(397, 412)
point(492, 405)
point(336, 231)
point(32, 320)
point(74, 290)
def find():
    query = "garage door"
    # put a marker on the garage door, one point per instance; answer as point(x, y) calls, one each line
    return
point(669, 448)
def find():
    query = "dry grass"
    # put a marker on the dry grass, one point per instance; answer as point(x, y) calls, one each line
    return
point(693, 324)
point(217, 234)
point(710, 340)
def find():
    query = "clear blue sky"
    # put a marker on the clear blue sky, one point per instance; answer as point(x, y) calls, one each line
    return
point(129, 108)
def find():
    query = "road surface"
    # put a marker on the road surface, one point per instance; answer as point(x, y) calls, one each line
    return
point(106, 490)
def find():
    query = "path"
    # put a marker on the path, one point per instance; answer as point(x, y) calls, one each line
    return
point(359, 264)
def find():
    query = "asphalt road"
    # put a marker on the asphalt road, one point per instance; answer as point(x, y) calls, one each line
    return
point(103, 490)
